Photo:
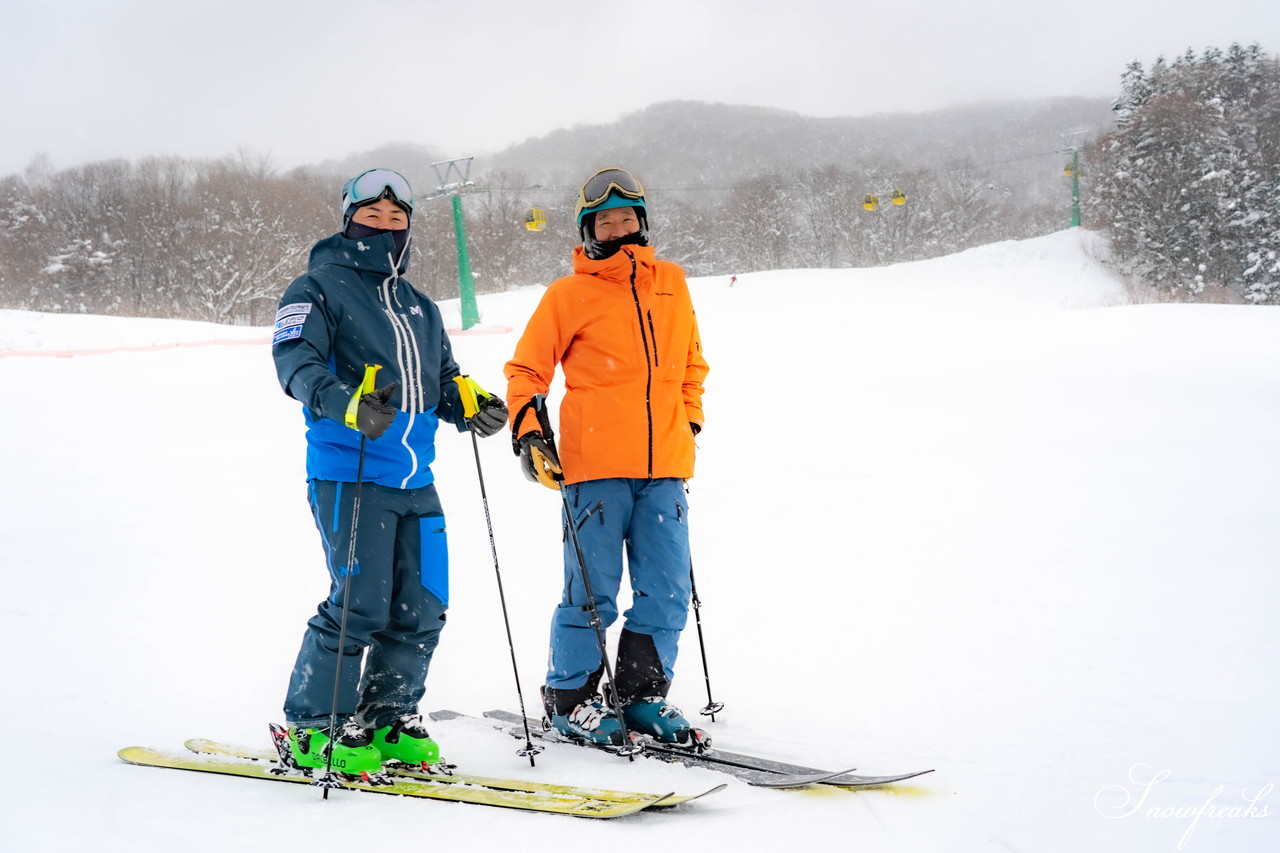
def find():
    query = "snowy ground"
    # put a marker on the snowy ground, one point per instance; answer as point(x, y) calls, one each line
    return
point(972, 514)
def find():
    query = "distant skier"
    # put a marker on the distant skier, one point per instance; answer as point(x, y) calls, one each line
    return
point(733, 280)
point(623, 329)
point(352, 310)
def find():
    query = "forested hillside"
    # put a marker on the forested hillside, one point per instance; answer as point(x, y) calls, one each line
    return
point(731, 189)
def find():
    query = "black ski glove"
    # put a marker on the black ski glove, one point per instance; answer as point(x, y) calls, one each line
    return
point(538, 460)
point(373, 415)
point(491, 417)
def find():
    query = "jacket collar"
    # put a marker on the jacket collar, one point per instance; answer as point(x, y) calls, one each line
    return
point(616, 267)
point(368, 254)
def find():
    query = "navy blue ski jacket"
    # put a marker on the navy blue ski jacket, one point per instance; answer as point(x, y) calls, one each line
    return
point(352, 308)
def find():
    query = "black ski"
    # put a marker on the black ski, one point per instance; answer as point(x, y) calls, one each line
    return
point(754, 770)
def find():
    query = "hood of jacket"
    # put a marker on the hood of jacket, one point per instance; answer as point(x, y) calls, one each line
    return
point(375, 255)
point(616, 267)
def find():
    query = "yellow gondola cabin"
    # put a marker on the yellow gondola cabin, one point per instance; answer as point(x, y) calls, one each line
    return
point(536, 220)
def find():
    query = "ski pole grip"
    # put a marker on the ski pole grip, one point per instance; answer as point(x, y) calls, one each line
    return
point(368, 384)
point(538, 403)
point(470, 392)
point(544, 422)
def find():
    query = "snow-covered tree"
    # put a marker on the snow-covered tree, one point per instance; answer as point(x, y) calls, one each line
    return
point(1187, 184)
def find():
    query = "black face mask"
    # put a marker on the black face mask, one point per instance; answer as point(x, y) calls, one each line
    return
point(399, 238)
point(598, 250)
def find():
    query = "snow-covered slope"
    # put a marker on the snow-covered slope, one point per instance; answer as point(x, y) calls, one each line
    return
point(972, 514)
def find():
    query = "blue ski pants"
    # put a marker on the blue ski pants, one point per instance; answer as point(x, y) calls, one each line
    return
point(649, 520)
point(399, 591)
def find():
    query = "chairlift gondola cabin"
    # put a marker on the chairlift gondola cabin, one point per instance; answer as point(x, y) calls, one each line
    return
point(536, 220)
point(871, 202)
point(1069, 170)
point(899, 197)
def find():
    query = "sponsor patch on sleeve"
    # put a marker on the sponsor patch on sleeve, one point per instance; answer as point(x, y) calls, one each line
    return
point(289, 321)
point(302, 308)
point(286, 334)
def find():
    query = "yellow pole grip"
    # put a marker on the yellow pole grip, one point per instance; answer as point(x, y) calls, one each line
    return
point(470, 392)
point(367, 385)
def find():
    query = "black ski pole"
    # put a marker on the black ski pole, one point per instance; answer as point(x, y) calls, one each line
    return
point(470, 407)
point(328, 782)
point(713, 707)
point(629, 748)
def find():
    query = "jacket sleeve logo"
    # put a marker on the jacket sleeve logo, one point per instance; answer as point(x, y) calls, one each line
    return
point(289, 321)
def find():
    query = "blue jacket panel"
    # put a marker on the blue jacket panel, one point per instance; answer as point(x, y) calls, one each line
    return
point(352, 308)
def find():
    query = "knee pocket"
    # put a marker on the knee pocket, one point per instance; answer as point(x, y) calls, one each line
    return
point(434, 557)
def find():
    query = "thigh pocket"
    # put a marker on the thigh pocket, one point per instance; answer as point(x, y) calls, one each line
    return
point(435, 558)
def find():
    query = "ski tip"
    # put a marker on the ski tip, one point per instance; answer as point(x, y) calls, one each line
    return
point(873, 781)
point(672, 800)
point(445, 714)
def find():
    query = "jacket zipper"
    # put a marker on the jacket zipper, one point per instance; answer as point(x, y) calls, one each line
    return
point(648, 364)
point(410, 366)
point(653, 336)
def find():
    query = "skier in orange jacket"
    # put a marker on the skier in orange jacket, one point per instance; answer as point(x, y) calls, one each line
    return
point(623, 330)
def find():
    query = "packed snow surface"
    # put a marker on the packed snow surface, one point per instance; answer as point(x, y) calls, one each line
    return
point(975, 514)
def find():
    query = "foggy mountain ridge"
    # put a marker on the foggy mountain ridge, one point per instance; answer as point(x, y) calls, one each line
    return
point(739, 188)
point(683, 143)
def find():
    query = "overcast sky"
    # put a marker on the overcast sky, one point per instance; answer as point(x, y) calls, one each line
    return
point(307, 80)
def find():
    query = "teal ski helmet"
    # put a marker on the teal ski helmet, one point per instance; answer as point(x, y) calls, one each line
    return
point(607, 189)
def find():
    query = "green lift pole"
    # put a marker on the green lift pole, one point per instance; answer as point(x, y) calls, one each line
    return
point(455, 179)
point(466, 282)
point(1072, 142)
point(1075, 188)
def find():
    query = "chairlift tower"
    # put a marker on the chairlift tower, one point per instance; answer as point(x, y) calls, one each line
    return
point(1071, 144)
point(454, 177)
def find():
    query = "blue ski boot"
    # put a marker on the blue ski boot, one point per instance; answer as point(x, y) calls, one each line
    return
point(590, 721)
point(655, 717)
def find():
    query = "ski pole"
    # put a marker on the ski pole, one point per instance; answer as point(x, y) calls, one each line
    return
point(328, 782)
point(544, 423)
point(713, 707)
point(470, 405)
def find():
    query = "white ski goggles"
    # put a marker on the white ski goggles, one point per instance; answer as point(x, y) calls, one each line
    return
point(373, 184)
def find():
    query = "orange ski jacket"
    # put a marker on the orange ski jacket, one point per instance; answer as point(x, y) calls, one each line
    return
point(624, 330)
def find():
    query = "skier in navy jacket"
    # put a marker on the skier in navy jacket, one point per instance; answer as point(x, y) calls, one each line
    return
point(367, 356)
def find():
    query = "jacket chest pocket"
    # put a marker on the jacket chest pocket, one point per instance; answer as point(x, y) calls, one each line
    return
point(669, 345)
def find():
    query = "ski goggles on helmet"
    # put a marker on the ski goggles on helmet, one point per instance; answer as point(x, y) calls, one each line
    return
point(373, 184)
point(619, 183)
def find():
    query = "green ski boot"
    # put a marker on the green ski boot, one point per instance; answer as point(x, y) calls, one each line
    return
point(406, 740)
point(353, 751)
